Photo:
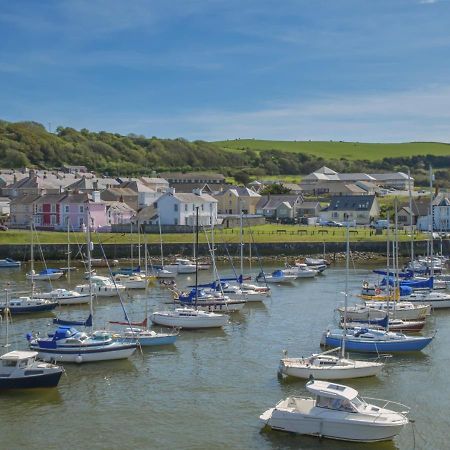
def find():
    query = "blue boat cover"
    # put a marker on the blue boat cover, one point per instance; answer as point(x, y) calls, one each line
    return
point(407, 274)
point(48, 271)
point(278, 273)
point(414, 284)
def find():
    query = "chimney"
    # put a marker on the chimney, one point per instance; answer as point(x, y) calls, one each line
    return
point(96, 196)
point(197, 191)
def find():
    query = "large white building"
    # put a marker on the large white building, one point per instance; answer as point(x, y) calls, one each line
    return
point(180, 208)
point(441, 215)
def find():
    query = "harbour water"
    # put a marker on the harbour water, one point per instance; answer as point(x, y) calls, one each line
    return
point(208, 390)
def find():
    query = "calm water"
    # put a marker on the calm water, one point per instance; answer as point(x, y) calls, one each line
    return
point(208, 390)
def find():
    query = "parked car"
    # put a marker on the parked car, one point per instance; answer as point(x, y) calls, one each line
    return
point(3, 228)
point(331, 223)
point(380, 224)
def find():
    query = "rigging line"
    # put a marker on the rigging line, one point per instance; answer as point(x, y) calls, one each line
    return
point(231, 260)
point(257, 256)
point(117, 291)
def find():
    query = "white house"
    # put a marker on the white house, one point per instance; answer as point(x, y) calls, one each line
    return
point(361, 209)
point(441, 215)
point(180, 208)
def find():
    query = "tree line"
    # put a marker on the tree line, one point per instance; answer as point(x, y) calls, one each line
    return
point(29, 144)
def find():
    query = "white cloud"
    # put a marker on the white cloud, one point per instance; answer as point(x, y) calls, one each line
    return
point(420, 115)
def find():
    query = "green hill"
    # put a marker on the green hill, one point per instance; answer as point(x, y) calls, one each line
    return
point(30, 144)
point(338, 150)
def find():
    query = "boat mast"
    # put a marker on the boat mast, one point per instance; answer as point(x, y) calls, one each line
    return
point(131, 239)
point(241, 235)
point(395, 261)
point(88, 251)
point(32, 257)
point(68, 251)
point(7, 314)
point(347, 268)
point(388, 274)
point(431, 223)
point(161, 242)
point(139, 244)
point(411, 218)
point(196, 259)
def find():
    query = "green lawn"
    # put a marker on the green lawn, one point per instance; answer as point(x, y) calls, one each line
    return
point(261, 234)
point(348, 150)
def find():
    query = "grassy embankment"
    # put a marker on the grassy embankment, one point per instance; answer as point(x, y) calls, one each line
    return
point(336, 150)
point(261, 234)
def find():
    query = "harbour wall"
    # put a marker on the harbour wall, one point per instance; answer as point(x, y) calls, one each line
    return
point(21, 252)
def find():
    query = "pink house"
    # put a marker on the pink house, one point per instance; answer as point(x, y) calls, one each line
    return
point(75, 208)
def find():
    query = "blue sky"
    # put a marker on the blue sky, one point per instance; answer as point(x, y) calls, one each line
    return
point(365, 70)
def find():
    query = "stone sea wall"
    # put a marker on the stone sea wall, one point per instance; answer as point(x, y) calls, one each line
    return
point(297, 249)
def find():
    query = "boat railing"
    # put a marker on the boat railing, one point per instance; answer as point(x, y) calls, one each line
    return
point(405, 410)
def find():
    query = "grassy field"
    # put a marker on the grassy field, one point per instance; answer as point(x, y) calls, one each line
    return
point(348, 150)
point(261, 234)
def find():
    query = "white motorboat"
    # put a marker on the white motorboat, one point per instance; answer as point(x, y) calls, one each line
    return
point(163, 273)
point(436, 300)
point(9, 263)
point(211, 301)
point(336, 412)
point(300, 271)
point(101, 287)
point(66, 297)
point(100, 262)
point(181, 266)
point(189, 318)
point(324, 366)
point(377, 310)
point(145, 337)
point(256, 288)
point(20, 370)
point(277, 276)
point(131, 281)
point(44, 275)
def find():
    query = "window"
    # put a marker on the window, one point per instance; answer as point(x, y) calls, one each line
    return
point(81, 208)
point(66, 208)
point(186, 207)
point(175, 207)
point(175, 221)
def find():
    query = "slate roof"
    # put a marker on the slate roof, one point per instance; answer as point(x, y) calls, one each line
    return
point(351, 203)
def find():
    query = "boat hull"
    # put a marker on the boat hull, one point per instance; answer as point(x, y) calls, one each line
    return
point(324, 427)
point(150, 341)
point(79, 355)
point(30, 309)
point(334, 373)
point(371, 346)
point(45, 380)
point(188, 323)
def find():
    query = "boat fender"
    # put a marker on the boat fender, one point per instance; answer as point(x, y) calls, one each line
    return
point(79, 359)
point(377, 291)
point(365, 284)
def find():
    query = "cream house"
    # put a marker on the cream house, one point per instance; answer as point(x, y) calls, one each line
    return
point(236, 199)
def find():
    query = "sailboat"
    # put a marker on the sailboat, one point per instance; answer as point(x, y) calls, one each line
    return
point(325, 366)
point(370, 340)
point(162, 272)
point(68, 344)
point(190, 317)
point(67, 296)
point(20, 369)
point(46, 274)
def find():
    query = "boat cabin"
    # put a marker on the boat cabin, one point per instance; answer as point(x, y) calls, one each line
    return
point(335, 396)
point(17, 359)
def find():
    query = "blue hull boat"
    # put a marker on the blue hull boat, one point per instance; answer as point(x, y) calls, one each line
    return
point(148, 341)
point(375, 341)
